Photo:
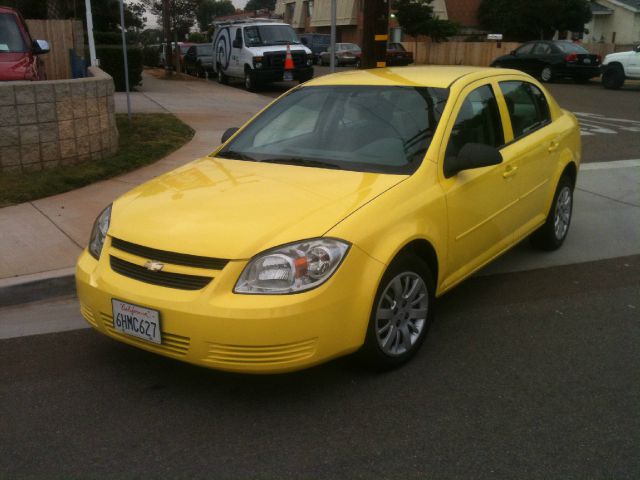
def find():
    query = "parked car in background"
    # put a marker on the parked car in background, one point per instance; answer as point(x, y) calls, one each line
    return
point(397, 55)
point(620, 66)
point(317, 43)
point(550, 59)
point(199, 59)
point(330, 222)
point(18, 53)
point(346, 54)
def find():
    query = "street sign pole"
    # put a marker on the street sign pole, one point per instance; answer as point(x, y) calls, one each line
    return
point(92, 44)
point(124, 55)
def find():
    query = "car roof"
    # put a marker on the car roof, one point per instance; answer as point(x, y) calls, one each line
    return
point(430, 76)
point(4, 9)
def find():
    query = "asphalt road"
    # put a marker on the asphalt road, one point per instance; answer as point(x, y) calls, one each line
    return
point(524, 375)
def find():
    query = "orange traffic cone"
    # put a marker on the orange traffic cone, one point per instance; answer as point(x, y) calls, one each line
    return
point(288, 61)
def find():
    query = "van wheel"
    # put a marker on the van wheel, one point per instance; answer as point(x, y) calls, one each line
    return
point(220, 76)
point(249, 81)
point(401, 314)
point(551, 235)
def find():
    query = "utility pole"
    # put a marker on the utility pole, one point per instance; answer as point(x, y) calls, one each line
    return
point(92, 45)
point(332, 49)
point(166, 25)
point(375, 33)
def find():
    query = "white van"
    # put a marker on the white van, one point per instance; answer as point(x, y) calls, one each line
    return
point(255, 51)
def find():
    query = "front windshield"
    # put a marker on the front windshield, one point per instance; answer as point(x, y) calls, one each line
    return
point(382, 129)
point(11, 39)
point(352, 47)
point(262, 35)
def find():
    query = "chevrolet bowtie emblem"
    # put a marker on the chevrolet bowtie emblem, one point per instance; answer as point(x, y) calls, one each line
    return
point(154, 266)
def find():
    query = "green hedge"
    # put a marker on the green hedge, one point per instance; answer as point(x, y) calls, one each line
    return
point(107, 38)
point(111, 61)
point(151, 56)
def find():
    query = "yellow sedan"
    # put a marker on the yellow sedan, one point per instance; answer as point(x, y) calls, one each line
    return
point(329, 223)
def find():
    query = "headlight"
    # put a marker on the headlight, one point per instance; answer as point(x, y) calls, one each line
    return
point(292, 268)
point(99, 232)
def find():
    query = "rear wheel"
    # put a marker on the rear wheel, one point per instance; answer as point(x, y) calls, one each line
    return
point(546, 74)
point(552, 234)
point(401, 314)
point(220, 76)
point(613, 78)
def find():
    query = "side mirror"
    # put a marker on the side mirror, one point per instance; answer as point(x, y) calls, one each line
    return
point(228, 134)
point(40, 47)
point(237, 43)
point(472, 155)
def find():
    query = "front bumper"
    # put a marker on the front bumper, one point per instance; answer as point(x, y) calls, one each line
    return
point(266, 75)
point(216, 328)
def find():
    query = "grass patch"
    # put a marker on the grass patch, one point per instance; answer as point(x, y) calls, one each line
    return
point(148, 138)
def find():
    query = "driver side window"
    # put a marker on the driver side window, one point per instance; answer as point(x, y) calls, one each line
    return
point(478, 121)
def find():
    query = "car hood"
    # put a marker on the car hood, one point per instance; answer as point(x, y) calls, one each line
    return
point(618, 56)
point(258, 51)
point(234, 209)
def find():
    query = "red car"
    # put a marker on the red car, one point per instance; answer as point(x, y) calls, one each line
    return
point(397, 55)
point(18, 53)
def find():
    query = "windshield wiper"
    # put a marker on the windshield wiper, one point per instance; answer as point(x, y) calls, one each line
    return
point(235, 155)
point(282, 42)
point(302, 162)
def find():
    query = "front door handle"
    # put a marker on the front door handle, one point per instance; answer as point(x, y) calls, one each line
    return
point(553, 146)
point(510, 171)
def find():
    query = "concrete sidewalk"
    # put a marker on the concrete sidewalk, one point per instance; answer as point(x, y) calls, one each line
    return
point(41, 240)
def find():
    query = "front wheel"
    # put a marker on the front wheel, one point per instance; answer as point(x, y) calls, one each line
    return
point(401, 314)
point(552, 234)
point(613, 78)
point(220, 76)
point(250, 83)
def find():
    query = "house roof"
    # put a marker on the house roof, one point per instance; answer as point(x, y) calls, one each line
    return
point(635, 4)
point(597, 9)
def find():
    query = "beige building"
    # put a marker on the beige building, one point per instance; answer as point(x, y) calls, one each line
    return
point(614, 21)
point(315, 16)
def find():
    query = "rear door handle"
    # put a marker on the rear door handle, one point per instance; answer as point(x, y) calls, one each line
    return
point(510, 171)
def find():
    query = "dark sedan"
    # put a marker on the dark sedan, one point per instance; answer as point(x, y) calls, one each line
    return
point(199, 59)
point(552, 59)
point(397, 55)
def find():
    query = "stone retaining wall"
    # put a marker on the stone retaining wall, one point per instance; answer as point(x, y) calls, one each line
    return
point(59, 122)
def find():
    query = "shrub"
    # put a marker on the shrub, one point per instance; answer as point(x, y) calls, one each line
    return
point(151, 56)
point(107, 38)
point(111, 61)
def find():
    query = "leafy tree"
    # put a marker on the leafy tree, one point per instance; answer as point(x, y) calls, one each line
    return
point(182, 14)
point(416, 18)
point(208, 10)
point(530, 19)
point(197, 37)
point(255, 5)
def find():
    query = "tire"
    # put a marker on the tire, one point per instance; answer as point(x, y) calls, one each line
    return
point(250, 82)
point(552, 234)
point(613, 78)
point(546, 74)
point(391, 343)
point(220, 76)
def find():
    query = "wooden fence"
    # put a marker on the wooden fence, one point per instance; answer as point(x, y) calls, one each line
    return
point(482, 53)
point(62, 35)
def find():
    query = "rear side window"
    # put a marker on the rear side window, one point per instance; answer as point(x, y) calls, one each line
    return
point(527, 105)
point(478, 121)
point(11, 39)
point(525, 49)
point(542, 49)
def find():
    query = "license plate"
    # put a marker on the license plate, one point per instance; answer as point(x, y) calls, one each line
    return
point(587, 60)
point(288, 76)
point(136, 321)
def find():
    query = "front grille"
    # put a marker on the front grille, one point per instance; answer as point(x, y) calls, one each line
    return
point(169, 257)
point(238, 355)
point(276, 59)
point(164, 279)
point(171, 343)
point(88, 314)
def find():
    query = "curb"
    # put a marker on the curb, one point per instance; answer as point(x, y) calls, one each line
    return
point(39, 286)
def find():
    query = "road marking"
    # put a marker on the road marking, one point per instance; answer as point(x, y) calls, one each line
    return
point(611, 165)
point(595, 124)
